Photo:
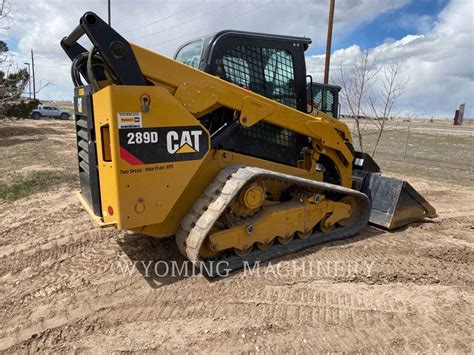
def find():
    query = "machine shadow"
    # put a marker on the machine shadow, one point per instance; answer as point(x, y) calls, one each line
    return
point(158, 260)
point(160, 263)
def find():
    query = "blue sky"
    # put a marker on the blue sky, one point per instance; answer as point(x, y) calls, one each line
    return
point(12, 44)
point(416, 17)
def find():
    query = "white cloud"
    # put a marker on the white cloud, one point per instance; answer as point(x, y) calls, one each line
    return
point(439, 63)
point(440, 56)
point(40, 25)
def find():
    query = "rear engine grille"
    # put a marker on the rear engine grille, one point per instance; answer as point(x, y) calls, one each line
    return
point(86, 148)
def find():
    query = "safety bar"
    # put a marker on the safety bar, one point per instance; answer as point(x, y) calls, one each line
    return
point(114, 49)
point(77, 33)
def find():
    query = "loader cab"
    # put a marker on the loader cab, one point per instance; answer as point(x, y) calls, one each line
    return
point(270, 65)
point(325, 98)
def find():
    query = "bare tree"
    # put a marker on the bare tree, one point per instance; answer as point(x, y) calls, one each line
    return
point(5, 18)
point(44, 83)
point(370, 91)
point(5, 15)
point(390, 91)
point(356, 80)
point(12, 85)
point(12, 81)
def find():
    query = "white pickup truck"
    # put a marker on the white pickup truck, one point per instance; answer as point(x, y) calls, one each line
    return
point(49, 111)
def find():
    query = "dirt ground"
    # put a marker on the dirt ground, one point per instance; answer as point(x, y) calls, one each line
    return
point(64, 287)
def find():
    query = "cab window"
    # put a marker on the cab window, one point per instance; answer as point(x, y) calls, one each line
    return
point(279, 75)
point(266, 71)
point(237, 70)
point(323, 100)
point(190, 54)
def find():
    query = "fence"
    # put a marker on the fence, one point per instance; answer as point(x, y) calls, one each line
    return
point(441, 152)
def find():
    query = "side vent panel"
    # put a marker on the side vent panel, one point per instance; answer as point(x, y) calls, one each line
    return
point(86, 148)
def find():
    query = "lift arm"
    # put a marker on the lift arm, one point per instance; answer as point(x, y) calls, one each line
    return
point(201, 93)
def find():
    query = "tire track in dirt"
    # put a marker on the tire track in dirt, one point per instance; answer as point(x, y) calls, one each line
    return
point(63, 289)
point(273, 305)
point(52, 254)
point(284, 310)
point(322, 307)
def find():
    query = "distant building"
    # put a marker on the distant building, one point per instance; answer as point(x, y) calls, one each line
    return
point(459, 115)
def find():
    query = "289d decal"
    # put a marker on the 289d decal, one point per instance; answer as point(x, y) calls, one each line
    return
point(142, 137)
point(160, 145)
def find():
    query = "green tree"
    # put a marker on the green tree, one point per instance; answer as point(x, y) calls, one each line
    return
point(12, 82)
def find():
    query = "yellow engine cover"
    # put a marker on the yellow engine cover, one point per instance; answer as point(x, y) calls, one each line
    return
point(146, 158)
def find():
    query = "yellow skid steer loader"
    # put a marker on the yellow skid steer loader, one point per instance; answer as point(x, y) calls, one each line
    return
point(219, 147)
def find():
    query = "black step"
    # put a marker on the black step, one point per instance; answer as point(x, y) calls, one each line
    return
point(83, 145)
point(82, 123)
point(83, 134)
point(84, 166)
point(84, 156)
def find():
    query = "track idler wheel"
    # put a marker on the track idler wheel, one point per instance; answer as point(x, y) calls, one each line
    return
point(304, 235)
point(355, 211)
point(249, 200)
point(243, 252)
point(285, 240)
point(324, 226)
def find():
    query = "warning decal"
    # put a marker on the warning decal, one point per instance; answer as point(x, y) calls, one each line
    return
point(129, 120)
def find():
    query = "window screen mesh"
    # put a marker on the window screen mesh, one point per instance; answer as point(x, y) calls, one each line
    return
point(272, 134)
point(329, 102)
point(270, 73)
point(324, 101)
point(266, 71)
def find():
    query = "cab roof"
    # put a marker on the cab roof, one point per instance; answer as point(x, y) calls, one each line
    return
point(212, 39)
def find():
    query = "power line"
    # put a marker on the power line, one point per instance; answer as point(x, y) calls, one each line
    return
point(188, 21)
point(458, 13)
point(200, 31)
point(127, 19)
point(164, 18)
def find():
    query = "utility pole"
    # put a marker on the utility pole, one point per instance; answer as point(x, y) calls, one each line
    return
point(328, 42)
point(109, 15)
point(33, 70)
point(29, 79)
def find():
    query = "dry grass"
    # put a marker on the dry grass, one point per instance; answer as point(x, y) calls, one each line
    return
point(34, 182)
point(437, 155)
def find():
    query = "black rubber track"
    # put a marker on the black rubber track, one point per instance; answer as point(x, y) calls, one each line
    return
point(196, 224)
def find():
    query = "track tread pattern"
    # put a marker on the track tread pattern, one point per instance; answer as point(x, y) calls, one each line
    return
point(209, 207)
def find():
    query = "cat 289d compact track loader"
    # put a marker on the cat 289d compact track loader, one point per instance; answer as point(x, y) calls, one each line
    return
point(218, 148)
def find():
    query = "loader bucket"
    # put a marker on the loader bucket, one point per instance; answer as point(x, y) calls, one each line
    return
point(395, 203)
